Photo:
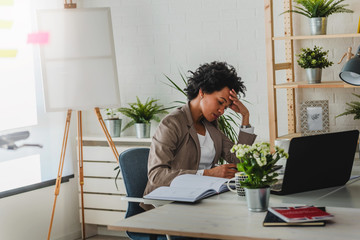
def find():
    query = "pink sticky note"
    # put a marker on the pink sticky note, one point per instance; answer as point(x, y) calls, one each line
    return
point(38, 38)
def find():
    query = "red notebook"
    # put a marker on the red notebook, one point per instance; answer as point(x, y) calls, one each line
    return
point(300, 213)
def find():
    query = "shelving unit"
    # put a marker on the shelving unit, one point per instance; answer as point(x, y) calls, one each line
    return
point(291, 85)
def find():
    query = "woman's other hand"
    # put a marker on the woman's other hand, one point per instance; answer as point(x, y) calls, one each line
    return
point(224, 171)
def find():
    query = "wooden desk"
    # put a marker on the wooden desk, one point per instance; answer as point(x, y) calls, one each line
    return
point(226, 216)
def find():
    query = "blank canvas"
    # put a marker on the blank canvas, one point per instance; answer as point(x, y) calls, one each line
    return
point(78, 62)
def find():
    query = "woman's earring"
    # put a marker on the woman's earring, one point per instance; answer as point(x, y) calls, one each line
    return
point(202, 96)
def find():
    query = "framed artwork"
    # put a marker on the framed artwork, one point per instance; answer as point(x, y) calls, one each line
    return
point(314, 117)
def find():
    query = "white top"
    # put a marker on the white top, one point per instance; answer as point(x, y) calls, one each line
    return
point(207, 150)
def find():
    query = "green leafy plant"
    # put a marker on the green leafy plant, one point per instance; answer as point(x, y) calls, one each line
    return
point(353, 109)
point(143, 112)
point(225, 121)
point(313, 58)
point(257, 163)
point(319, 8)
point(111, 113)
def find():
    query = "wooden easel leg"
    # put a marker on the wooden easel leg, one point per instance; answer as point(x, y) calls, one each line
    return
point(81, 169)
point(61, 167)
point(107, 134)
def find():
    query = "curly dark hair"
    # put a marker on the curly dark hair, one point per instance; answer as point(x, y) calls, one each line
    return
point(211, 77)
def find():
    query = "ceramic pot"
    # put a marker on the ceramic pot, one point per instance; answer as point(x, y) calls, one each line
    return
point(113, 126)
point(318, 25)
point(313, 75)
point(257, 199)
point(142, 130)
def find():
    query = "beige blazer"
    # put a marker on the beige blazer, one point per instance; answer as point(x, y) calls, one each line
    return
point(175, 148)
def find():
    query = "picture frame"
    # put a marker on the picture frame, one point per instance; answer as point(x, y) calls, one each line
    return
point(314, 117)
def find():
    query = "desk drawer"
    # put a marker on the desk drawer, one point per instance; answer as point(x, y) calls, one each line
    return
point(99, 185)
point(105, 202)
point(102, 217)
point(100, 169)
point(103, 154)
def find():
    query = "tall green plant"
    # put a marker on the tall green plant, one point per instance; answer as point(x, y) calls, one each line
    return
point(225, 121)
point(319, 8)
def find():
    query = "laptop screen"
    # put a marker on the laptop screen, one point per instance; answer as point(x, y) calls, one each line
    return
point(319, 161)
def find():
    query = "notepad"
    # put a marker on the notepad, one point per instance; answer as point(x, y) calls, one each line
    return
point(189, 188)
point(300, 214)
point(271, 220)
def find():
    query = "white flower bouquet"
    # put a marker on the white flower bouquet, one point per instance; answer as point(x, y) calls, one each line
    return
point(257, 163)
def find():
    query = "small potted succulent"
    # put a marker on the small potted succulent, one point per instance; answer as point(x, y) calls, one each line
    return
point(318, 11)
point(113, 122)
point(313, 61)
point(141, 115)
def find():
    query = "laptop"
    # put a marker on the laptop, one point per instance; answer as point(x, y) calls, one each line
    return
point(318, 161)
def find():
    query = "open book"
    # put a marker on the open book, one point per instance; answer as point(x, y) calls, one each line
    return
point(189, 188)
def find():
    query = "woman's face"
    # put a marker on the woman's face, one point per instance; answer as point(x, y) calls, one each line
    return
point(213, 105)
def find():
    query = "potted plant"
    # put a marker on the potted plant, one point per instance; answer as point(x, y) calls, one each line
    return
point(313, 61)
point(141, 115)
point(113, 122)
point(257, 162)
point(318, 11)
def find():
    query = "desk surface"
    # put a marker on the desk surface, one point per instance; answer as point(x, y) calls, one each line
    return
point(234, 221)
point(226, 216)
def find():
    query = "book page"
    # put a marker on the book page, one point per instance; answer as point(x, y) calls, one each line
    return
point(179, 194)
point(197, 181)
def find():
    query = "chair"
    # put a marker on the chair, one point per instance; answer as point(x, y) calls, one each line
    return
point(133, 166)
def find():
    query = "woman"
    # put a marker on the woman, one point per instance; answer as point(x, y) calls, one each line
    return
point(188, 140)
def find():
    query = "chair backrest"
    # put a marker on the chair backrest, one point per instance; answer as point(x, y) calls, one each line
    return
point(133, 166)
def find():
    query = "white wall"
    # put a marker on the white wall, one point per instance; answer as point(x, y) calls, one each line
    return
point(156, 37)
point(27, 215)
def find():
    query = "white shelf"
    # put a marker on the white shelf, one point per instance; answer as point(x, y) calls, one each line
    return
point(129, 139)
point(347, 35)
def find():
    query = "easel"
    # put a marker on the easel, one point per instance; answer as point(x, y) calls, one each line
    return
point(81, 161)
